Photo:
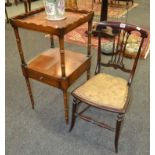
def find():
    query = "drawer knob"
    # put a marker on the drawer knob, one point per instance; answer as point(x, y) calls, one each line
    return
point(41, 78)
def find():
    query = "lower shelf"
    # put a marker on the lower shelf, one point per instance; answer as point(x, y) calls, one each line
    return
point(46, 67)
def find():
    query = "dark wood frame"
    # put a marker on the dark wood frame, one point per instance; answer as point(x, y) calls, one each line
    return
point(64, 81)
point(116, 64)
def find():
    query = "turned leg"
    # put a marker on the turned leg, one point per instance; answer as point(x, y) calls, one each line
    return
point(74, 105)
point(66, 105)
point(23, 64)
point(117, 130)
point(30, 91)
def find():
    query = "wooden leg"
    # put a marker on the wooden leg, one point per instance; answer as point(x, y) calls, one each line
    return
point(73, 115)
point(117, 131)
point(52, 41)
point(30, 91)
point(66, 105)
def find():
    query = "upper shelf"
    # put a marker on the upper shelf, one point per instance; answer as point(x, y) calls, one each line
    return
point(36, 20)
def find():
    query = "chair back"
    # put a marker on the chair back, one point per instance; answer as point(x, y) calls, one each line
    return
point(124, 39)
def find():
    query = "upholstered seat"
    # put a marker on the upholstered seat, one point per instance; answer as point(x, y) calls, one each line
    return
point(104, 90)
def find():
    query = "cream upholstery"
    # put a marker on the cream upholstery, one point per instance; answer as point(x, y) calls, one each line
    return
point(104, 90)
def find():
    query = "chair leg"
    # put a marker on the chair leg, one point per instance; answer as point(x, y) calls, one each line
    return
point(30, 91)
point(117, 130)
point(74, 105)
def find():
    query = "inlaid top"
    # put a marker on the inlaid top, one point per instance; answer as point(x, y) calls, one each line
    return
point(37, 20)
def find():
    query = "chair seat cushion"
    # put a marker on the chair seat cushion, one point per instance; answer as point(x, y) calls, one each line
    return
point(104, 90)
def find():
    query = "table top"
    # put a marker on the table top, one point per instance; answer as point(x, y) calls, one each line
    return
point(36, 20)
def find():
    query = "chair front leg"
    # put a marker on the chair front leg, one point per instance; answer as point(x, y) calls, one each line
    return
point(74, 106)
point(120, 118)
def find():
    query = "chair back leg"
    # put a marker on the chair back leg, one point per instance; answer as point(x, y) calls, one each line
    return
point(117, 130)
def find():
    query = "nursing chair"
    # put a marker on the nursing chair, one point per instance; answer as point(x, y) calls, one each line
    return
point(106, 91)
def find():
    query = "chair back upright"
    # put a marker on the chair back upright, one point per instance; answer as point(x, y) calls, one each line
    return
point(27, 5)
point(122, 41)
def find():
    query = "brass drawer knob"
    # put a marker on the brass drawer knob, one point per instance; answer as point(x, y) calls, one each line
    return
point(41, 78)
